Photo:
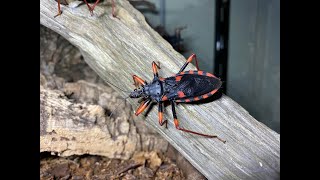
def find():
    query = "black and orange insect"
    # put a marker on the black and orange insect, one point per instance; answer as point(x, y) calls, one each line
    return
point(185, 86)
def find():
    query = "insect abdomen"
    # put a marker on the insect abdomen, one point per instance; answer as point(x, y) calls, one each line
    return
point(192, 86)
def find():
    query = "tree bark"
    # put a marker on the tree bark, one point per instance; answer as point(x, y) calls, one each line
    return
point(116, 48)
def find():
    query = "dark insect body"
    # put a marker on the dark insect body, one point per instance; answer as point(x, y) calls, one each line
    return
point(185, 86)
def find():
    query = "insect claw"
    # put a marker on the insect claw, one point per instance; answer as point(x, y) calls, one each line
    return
point(158, 65)
point(91, 12)
point(224, 141)
point(59, 13)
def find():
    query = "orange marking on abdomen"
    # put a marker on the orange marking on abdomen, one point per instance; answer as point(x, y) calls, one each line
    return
point(200, 72)
point(178, 78)
point(162, 79)
point(181, 94)
point(196, 98)
point(205, 96)
point(164, 98)
point(210, 75)
point(187, 100)
point(191, 72)
point(214, 91)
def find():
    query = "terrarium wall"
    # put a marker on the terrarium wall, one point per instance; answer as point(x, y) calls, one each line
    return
point(198, 18)
point(254, 59)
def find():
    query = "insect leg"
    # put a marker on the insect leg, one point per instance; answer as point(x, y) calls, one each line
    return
point(160, 114)
point(59, 9)
point(94, 5)
point(155, 68)
point(188, 61)
point(91, 8)
point(137, 81)
point(113, 7)
point(142, 106)
point(176, 123)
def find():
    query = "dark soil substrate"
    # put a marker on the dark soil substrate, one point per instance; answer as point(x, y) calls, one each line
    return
point(97, 167)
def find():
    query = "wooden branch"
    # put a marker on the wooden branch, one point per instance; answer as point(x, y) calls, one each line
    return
point(72, 127)
point(116, 48)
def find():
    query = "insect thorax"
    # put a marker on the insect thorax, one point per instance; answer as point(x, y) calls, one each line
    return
point(154, 90)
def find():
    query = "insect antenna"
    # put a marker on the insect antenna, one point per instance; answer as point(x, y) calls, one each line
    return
point(117, 106)
point(120, 90)
point(117, 87)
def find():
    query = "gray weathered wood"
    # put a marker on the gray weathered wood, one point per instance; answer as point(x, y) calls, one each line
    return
point(116, 48)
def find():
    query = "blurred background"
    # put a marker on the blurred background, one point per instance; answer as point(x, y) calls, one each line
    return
point(239, 41)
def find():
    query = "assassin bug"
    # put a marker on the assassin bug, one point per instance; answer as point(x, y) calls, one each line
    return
point(185, 86)
point(91, 8)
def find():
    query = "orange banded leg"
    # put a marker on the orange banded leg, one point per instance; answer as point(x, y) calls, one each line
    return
point(94, 5)
point(160, 114)
point(113, 7)
point(137, 81)
point(176, 123)
point(91, 8)
point(155, 68)
point(142, 106)
point(59, 9)
point(188, 61)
